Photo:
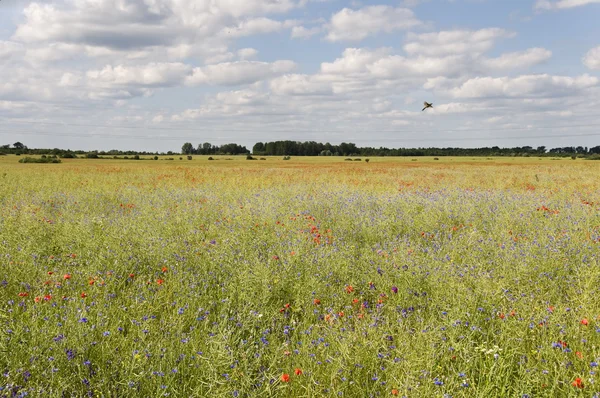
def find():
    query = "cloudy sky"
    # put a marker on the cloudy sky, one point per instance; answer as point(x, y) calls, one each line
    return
point(153, 74)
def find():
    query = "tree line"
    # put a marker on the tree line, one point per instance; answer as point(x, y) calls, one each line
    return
point(312, 148)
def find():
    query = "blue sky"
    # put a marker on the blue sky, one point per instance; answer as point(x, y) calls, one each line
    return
point(153, 74)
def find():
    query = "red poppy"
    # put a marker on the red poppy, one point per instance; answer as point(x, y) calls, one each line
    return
point(83, 295)
point(349, 289)
point(164, 269)
point(23, 294)
point(297, 371)
point(584, 322)
point(577, 383)
point(395, 392)
point(67, 276)
point(159, 281)
point(316, 301)
point(285, 377)
point(131, 275)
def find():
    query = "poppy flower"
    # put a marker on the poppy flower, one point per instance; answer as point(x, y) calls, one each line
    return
point(164, 269)
point(67, 276)
point(160, 281)
point(285, 377)
point(316, 301)
point(577, 383)
point(297, 371)
point(584, 322)
point(394, 392)
point(83, 295)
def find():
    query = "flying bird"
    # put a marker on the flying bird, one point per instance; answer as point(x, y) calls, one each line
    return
point(427, 105)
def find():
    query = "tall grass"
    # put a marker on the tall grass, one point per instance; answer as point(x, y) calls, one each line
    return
point(299, 278)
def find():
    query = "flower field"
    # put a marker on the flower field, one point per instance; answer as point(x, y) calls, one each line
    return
point(300, 278)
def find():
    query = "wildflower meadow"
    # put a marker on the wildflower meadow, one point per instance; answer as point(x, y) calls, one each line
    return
point(310, 277)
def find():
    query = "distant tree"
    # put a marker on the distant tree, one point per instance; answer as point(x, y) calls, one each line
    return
point(205, 149)
point(18, 145)
point(258, 148)
point(187, 148)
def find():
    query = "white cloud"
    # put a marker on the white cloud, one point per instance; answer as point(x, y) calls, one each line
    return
point(247, 53)
point(257, 26)
point(592, 58)
point(300, 32)
point(524, 86)
point(241, 72)
point(519, 59)
point(298, 85)
point(561, 4)
point(355, 25)
point(151, 75)
point(454, 42)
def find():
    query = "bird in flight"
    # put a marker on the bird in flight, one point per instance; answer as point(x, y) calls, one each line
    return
point(427, 105)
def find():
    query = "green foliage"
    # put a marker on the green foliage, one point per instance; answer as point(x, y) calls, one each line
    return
point(42, 159)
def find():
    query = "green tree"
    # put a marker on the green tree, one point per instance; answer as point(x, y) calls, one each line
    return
point(187, 148)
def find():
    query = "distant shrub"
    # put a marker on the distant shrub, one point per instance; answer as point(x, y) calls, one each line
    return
point(249, 157)
point(18, 154)
point(180, 158)
point(155, 157)
point(367, 160)
point(189, 157)
point(115, 157)
point(348, 160)
point(169, 159)
point(263, 158)
point(357, 160)
point(91, 156)
point(43, 156)
point(573, 157)
point(210, 158)
point(436, 158)
point(137, 157)
point(38, 160)
point(125, 157)
point(413, 160)
point(287, 157)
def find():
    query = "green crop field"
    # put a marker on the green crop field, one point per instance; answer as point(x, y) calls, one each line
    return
point(310, 277)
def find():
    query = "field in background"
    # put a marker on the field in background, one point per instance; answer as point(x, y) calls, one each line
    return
point(470, 277)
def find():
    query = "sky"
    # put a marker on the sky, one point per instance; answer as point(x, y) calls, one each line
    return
point(150, 75)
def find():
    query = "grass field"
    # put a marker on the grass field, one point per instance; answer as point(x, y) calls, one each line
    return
point(313, 277)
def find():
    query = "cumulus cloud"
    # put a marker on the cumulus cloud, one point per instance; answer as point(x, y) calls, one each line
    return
point(240, 72)
point(151, 75)
point(300, 32)
point(355, 25)
point(247, 53)
point(561, 4)
point(592, 58)
point(455, 42)
point(519, 59)
point(524, 86)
